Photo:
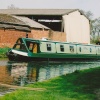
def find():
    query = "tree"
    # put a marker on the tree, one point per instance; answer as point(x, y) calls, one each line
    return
point(88, 14)
point(94, 26)
point(12, 7)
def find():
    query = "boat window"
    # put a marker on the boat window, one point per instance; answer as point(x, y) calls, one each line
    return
point(90, 50)
point(62, 48)
point(30, 46)
point(20, 45)
point(71, 48)
point(17, 47)
point(48, 47)
point(80, 49)
point(19, 41)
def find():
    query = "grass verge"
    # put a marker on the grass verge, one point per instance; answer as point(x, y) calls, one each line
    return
point(3, 52)
point(80, 85)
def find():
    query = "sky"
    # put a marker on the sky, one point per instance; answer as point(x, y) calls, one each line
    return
point(86, 5)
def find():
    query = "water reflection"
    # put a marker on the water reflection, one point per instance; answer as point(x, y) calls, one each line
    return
point(20, 73)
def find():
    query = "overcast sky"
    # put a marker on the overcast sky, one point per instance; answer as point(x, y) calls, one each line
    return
point(86, 5)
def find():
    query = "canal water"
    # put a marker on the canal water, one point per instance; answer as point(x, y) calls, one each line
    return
point(21, 73)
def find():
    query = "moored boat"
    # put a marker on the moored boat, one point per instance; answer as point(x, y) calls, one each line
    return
point(31, 49)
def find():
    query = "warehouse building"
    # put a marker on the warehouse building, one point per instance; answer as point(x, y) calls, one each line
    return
point(71, 22)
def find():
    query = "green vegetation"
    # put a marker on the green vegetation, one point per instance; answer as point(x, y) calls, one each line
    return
point(94, 40)
point(80, 85)
point(3, 52)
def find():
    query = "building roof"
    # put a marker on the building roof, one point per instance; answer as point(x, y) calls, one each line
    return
point(31, 23)
point(10, 22)
point(10, 19)
point(37, 11)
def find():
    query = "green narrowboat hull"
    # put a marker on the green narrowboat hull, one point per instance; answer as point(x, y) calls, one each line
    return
point(44, 55)
point(52, 57)
point(26, 49)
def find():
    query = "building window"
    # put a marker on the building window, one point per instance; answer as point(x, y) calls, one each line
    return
point(62, 48)
point(48, 47)
point(71, 48)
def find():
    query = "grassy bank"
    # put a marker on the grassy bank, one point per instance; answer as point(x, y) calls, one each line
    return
point(80, 85)
point(3, 52)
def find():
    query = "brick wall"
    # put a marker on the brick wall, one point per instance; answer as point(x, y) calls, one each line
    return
point(9, 37)
point(53, 35)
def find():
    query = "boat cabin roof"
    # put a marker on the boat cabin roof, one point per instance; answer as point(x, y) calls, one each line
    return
point(39, 41)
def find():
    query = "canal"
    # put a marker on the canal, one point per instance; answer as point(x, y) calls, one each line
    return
point(21, 73)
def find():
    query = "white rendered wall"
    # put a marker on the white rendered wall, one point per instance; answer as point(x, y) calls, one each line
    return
point(77, 28)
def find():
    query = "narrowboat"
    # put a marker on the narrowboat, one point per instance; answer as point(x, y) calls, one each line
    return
point(31, 49)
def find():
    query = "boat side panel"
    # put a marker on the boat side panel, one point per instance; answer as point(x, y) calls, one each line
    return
point(43, 47)
point(68, 48)
point(84, 49)
point(98, 50)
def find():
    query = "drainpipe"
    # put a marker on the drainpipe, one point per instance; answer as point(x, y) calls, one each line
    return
point(26, 35)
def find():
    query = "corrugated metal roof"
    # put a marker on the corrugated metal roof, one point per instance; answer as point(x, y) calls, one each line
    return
point(37, 11)
point(21, 28)
point(31, 23)
point(10, 19)
point(10, 22)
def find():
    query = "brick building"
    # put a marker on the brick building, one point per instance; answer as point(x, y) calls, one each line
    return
point(72, 22)
point(69, 25)
point(13, 27)
point(38, 31)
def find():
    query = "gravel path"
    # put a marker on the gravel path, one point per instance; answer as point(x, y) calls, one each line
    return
point(6, 92)
point(5, 88)
point(20, 87)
